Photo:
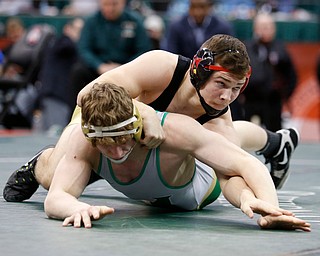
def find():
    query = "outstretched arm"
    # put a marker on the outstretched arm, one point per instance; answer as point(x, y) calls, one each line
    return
point(245, 181)
point(71, 177)
point(227, 159)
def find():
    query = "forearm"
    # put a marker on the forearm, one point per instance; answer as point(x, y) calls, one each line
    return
point(233, 161)
point(233, 189)
point(145, 110)
point(61, 205)
point(258, 179)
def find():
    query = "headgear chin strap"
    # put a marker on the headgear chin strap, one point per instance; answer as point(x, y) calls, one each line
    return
point(91, 131)
point(202, 67)
point(122, 159)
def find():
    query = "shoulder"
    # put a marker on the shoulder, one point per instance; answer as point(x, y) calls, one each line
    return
point(78, 145)
point(159, 58)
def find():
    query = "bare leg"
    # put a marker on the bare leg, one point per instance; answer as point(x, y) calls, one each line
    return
point(252, 137)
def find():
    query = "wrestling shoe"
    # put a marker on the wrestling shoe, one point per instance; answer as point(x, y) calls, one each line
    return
point(280, 162)
point(22, 183)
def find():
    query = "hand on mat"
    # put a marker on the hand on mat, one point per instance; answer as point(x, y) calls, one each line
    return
point(263, 208)
point(250, 205)
point(87, 215)
point(283, 222)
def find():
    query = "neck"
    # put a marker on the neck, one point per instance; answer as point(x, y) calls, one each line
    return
point(192, 107)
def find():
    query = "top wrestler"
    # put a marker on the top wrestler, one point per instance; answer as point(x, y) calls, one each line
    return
point(202, 89)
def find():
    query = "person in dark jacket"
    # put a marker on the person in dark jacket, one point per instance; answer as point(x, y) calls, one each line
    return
point(112, 36)
point(273, 77)
point(55, 100)
point(185, 35)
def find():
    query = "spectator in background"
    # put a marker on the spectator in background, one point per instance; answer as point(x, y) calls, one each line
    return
point(55, 101)
point(14, 30)
point(1, 61)
point(273, 77)
point(21, 67)
point(185, 35)
point(112, 36)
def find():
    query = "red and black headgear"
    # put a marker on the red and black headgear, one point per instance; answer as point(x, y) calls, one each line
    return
point(203, 65)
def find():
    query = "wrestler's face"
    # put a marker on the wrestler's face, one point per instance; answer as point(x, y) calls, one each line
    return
point(117, 152)
point(221, 89)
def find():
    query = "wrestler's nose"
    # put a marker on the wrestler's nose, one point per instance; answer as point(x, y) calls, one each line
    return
point(226, 94)
point(116, 151)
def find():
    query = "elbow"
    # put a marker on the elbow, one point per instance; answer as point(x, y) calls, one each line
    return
point(49, 206)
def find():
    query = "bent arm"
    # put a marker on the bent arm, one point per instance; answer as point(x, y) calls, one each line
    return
point(70, 179)
point(144, 78)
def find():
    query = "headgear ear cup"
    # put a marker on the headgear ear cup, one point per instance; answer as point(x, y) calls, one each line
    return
point(85, 130)
point(137, 124)
point(198, 71)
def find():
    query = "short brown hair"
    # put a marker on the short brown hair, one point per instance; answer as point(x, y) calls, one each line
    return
point(232, 54)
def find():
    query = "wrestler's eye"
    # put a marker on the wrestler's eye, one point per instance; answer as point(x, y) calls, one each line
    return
point(236, 89)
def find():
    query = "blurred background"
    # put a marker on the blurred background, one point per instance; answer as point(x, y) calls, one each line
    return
point(297, 26)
